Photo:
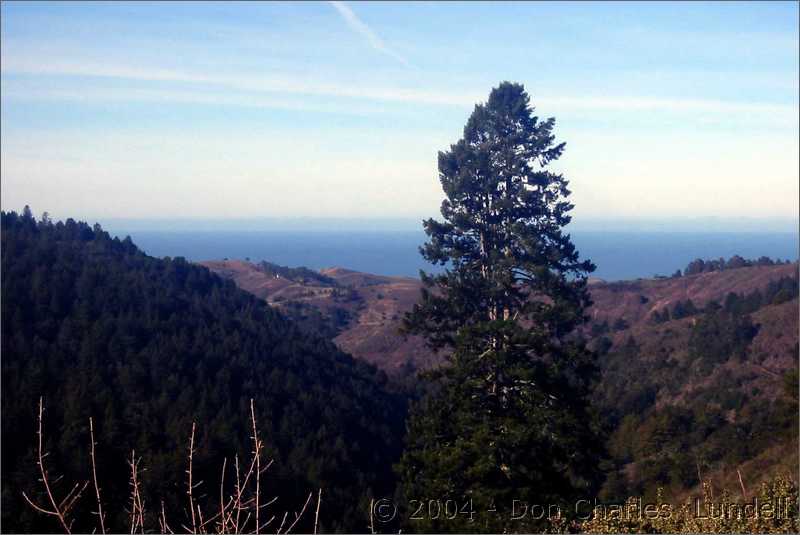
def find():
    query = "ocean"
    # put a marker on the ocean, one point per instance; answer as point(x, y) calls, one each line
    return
point(617, 255)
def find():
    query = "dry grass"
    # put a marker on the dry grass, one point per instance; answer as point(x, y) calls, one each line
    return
point(773, 509)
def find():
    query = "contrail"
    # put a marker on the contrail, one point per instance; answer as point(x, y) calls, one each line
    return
point(365, 31)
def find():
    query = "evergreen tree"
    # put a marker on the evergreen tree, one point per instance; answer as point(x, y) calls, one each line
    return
point(695, 267)
point(509, 417)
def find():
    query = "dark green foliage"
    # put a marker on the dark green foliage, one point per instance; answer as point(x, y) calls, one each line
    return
point(623, 286)
point(783, 296)
point(345, 295)
point(599, 329)
point(657, 443)
point(777, 292)
point(781, 291)
point(737, 261)
point(620, 325)
point(661, 316)
point(146, 346)
point(618, 395)
point(790, 384)
point(704, 266)
point(720, 335)
point(311, 320)
point(683, 309)
point(298, 274)
point(602, 345)
point(510, 415)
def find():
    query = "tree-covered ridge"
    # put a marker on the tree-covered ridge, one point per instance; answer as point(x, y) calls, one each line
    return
point(776, 292)
point(693, 395)
point(699, 265)
point(147, 346)
point(299, 274)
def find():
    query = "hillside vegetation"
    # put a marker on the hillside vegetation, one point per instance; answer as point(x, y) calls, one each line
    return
point(696, 371)
point(698, 378)
point(148, 346)
point(360, 312)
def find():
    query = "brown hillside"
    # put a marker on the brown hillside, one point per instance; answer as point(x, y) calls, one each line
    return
point(613, 300)
point(377, 304)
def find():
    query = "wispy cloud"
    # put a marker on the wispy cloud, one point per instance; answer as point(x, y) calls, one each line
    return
point(291, 85)
point(260, 91)
point(360, 27)
point(34, 66)
point(670, 105)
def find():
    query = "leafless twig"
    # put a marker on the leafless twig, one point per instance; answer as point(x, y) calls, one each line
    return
point(94, 478)
point(744, 492)
point(137, 505)
point(316, 515)
point(61, 509)
point(257, 456)
point(222, 523)
point(162, 521)
point(235, 513)
point(191, 486)
point(371, 515)
point(299, 515)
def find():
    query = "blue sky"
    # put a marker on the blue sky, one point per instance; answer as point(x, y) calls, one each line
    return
point(222, 110)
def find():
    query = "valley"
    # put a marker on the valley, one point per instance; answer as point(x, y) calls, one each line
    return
point(374, 305)
point(695, 372)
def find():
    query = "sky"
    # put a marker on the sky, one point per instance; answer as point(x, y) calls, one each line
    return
point(670, 111)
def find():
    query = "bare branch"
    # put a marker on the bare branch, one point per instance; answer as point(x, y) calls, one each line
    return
point(99, 511)
point(268, 522)
point(283, 522)
point(238, 501)
point(297, 516)
point(372, 515)
point(257, 454)
point(190, 487)
point(69, 500)
point(741, 483)
point(316, 515)
point(233, 516)
point(45, 511)
point(56, 510)
point(200, 516)
point(223, 523)
point(137, 506)
point(163, 520)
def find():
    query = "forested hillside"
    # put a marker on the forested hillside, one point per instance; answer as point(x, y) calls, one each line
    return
point(698, 376)
point(699, 388)
point(697, 371)
point(147, 346)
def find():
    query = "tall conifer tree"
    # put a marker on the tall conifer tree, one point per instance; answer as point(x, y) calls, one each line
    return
point(509, 418)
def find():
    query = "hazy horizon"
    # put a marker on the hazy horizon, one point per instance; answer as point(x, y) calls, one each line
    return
point(343, 224)
point(618, 255)
point(221, 111)
point(706, 224)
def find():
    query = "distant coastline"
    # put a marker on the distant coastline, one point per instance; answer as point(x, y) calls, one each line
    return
point(700, 224)
point(618, 255)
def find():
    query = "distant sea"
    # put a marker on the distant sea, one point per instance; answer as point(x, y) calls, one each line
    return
point(618, 255)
